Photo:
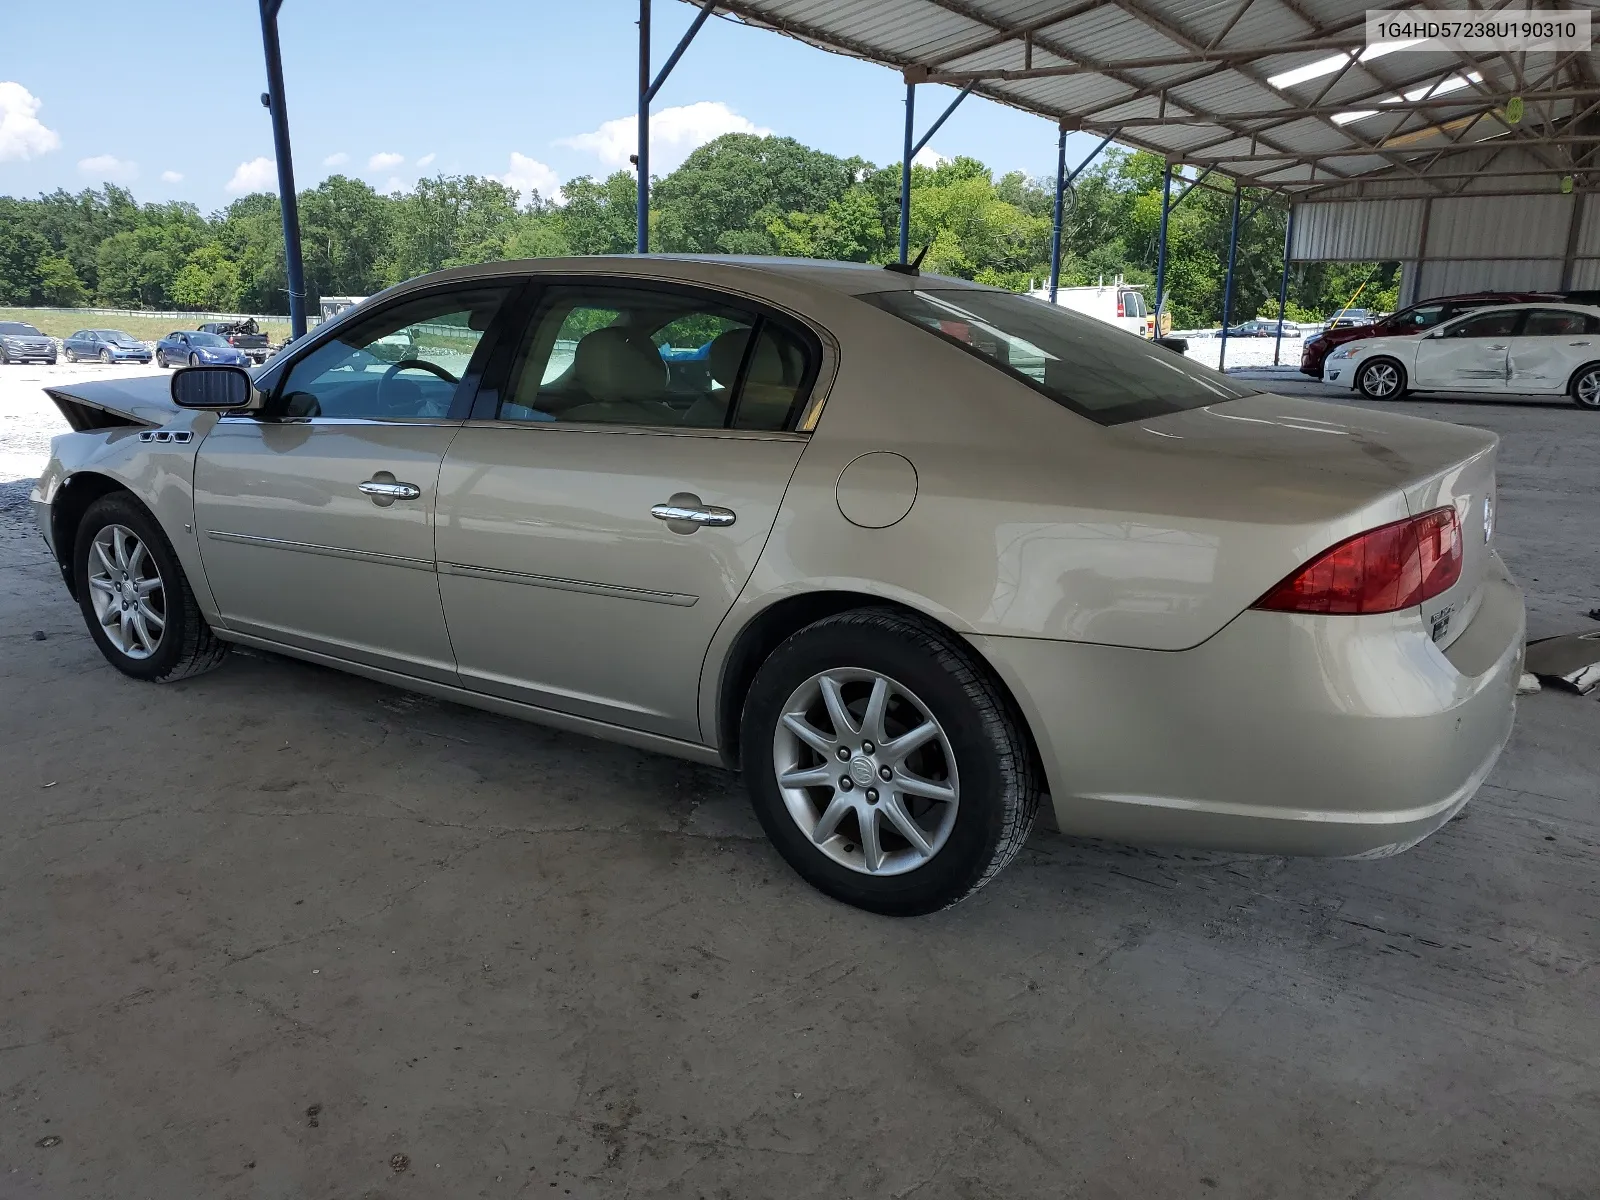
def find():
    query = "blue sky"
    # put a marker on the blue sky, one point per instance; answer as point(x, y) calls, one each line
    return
point(163, 96)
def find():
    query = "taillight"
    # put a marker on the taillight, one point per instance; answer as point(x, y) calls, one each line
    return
point(1120, 313)
point(1382, 570)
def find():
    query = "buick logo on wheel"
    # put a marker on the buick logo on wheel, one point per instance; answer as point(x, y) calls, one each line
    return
point(861, 770)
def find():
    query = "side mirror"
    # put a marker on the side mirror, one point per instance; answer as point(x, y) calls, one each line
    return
point(220, 389)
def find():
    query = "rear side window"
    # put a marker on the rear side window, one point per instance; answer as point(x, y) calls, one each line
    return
point(616, 354)
point(1094, 369)
point(1556, 322)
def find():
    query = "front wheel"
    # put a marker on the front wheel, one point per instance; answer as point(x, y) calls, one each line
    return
point(885, 765)
point(1586, 387)
point(105, 357)
point(71, 356)
point(135, 598)
point(1382, 379)
point(161, 360)
point(194, 360)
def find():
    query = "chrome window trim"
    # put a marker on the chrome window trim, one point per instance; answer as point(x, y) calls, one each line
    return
point(743, 435)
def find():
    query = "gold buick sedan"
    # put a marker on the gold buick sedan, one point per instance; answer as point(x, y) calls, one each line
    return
point(909, 552)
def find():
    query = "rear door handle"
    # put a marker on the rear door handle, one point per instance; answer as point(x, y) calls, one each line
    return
point(684, 512)
point(1584, 343)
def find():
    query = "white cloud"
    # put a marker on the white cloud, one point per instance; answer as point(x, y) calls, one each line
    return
point(393, 184)
point(385, 161)
point(257, 175)
point(109, 166)
point(531, 175)
point(22, 135)
point(426, 159)
point(674, 132)
point(928, 157)
point(171, 177)
point(336, 160)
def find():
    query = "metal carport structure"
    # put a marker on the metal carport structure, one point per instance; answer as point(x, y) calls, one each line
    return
point(1425, 155)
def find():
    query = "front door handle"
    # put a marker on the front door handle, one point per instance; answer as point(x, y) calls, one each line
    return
point(385, 489)
point(1500, 347)
point(1583, 343)
point(684, 512)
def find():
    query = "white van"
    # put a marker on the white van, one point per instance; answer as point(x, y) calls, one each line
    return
point(1120, 304)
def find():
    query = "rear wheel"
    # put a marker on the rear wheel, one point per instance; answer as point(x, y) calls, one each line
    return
point(135, 598)
point(885, 765)
point(1586, 387)
point(1382, 379)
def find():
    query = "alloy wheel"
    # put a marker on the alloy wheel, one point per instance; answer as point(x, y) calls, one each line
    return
point(866, 771)
point(1380, 379)
point(126, 589)
point(1587, 392)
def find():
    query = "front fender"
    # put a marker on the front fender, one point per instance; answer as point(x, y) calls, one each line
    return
point(157, 470)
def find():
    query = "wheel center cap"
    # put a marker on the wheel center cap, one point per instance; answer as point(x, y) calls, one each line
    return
point(862, 770)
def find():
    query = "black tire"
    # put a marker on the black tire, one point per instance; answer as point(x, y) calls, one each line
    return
point(105, 357)
point(161, 360)
point(71, 357)
point(999, 785)
point(1368, 370)
point(186, 646)
point(1585, 387)
point(5, 359)
point(194, 360)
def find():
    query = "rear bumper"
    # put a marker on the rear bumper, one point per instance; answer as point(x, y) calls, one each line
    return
point(1283, 734)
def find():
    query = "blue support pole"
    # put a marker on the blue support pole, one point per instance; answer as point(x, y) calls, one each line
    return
point(905, 173)
point(642, 243)
point(279, 109)
point(943, 117)
point(1055, 220)
point(1227, 287)
point(1283, 287)
point(1161, 244)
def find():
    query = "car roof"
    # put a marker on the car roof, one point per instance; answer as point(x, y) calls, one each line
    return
point(848, 278)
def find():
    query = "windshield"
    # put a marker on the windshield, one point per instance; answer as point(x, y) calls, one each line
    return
point(19, 328)
point(117, 337)
point(1093, 368)
point(206, 339)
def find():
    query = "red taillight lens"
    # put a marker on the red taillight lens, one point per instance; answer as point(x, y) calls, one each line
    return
point(1382, 570)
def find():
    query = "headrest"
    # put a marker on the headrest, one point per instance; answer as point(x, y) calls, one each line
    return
point(611, 366)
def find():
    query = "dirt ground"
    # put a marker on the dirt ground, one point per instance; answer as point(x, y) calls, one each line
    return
point(278, 932)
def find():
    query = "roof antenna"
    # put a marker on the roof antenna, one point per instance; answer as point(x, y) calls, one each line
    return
point(914, 266)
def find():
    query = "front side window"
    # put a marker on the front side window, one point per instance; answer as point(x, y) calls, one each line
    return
point(404, 362)
point(625, 355)
point(1414, 319)
point(1486, 325)
point(1095, 370)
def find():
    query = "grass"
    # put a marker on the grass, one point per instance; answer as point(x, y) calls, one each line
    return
point(147, 327)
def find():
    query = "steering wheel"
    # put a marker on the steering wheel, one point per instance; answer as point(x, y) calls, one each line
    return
point(406, 364)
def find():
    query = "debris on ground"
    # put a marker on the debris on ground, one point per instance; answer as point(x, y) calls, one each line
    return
point(1528, 684)
point(1571, 661)
point(399, 1164)
point(38, 635)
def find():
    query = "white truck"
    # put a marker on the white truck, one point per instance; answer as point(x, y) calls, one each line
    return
point(1118, 303)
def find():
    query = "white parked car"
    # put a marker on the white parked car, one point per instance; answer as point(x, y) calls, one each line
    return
point(1511, 349)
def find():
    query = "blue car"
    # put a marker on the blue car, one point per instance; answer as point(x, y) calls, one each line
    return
point(108, 345)
point(192, 348)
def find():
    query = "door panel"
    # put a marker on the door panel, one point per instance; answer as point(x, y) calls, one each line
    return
point(561, 589)
point(1552, 345)
point(1469, 355)
point(294, 551)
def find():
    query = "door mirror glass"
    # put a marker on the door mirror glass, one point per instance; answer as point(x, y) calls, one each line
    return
point(217, 388)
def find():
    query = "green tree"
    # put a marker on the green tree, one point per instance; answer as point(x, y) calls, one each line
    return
point(209, 281)
point(599, 216)
point(59, 283)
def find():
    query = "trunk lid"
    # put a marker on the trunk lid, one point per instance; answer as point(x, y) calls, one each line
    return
point(1325, 472)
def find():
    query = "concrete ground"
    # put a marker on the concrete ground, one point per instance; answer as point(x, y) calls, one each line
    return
point(279, 932)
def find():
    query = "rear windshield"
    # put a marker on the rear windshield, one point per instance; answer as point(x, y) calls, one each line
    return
point(1089, 366)
point(19, 328)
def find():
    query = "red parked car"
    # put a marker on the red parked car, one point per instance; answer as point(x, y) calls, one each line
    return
point(1418, 318)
